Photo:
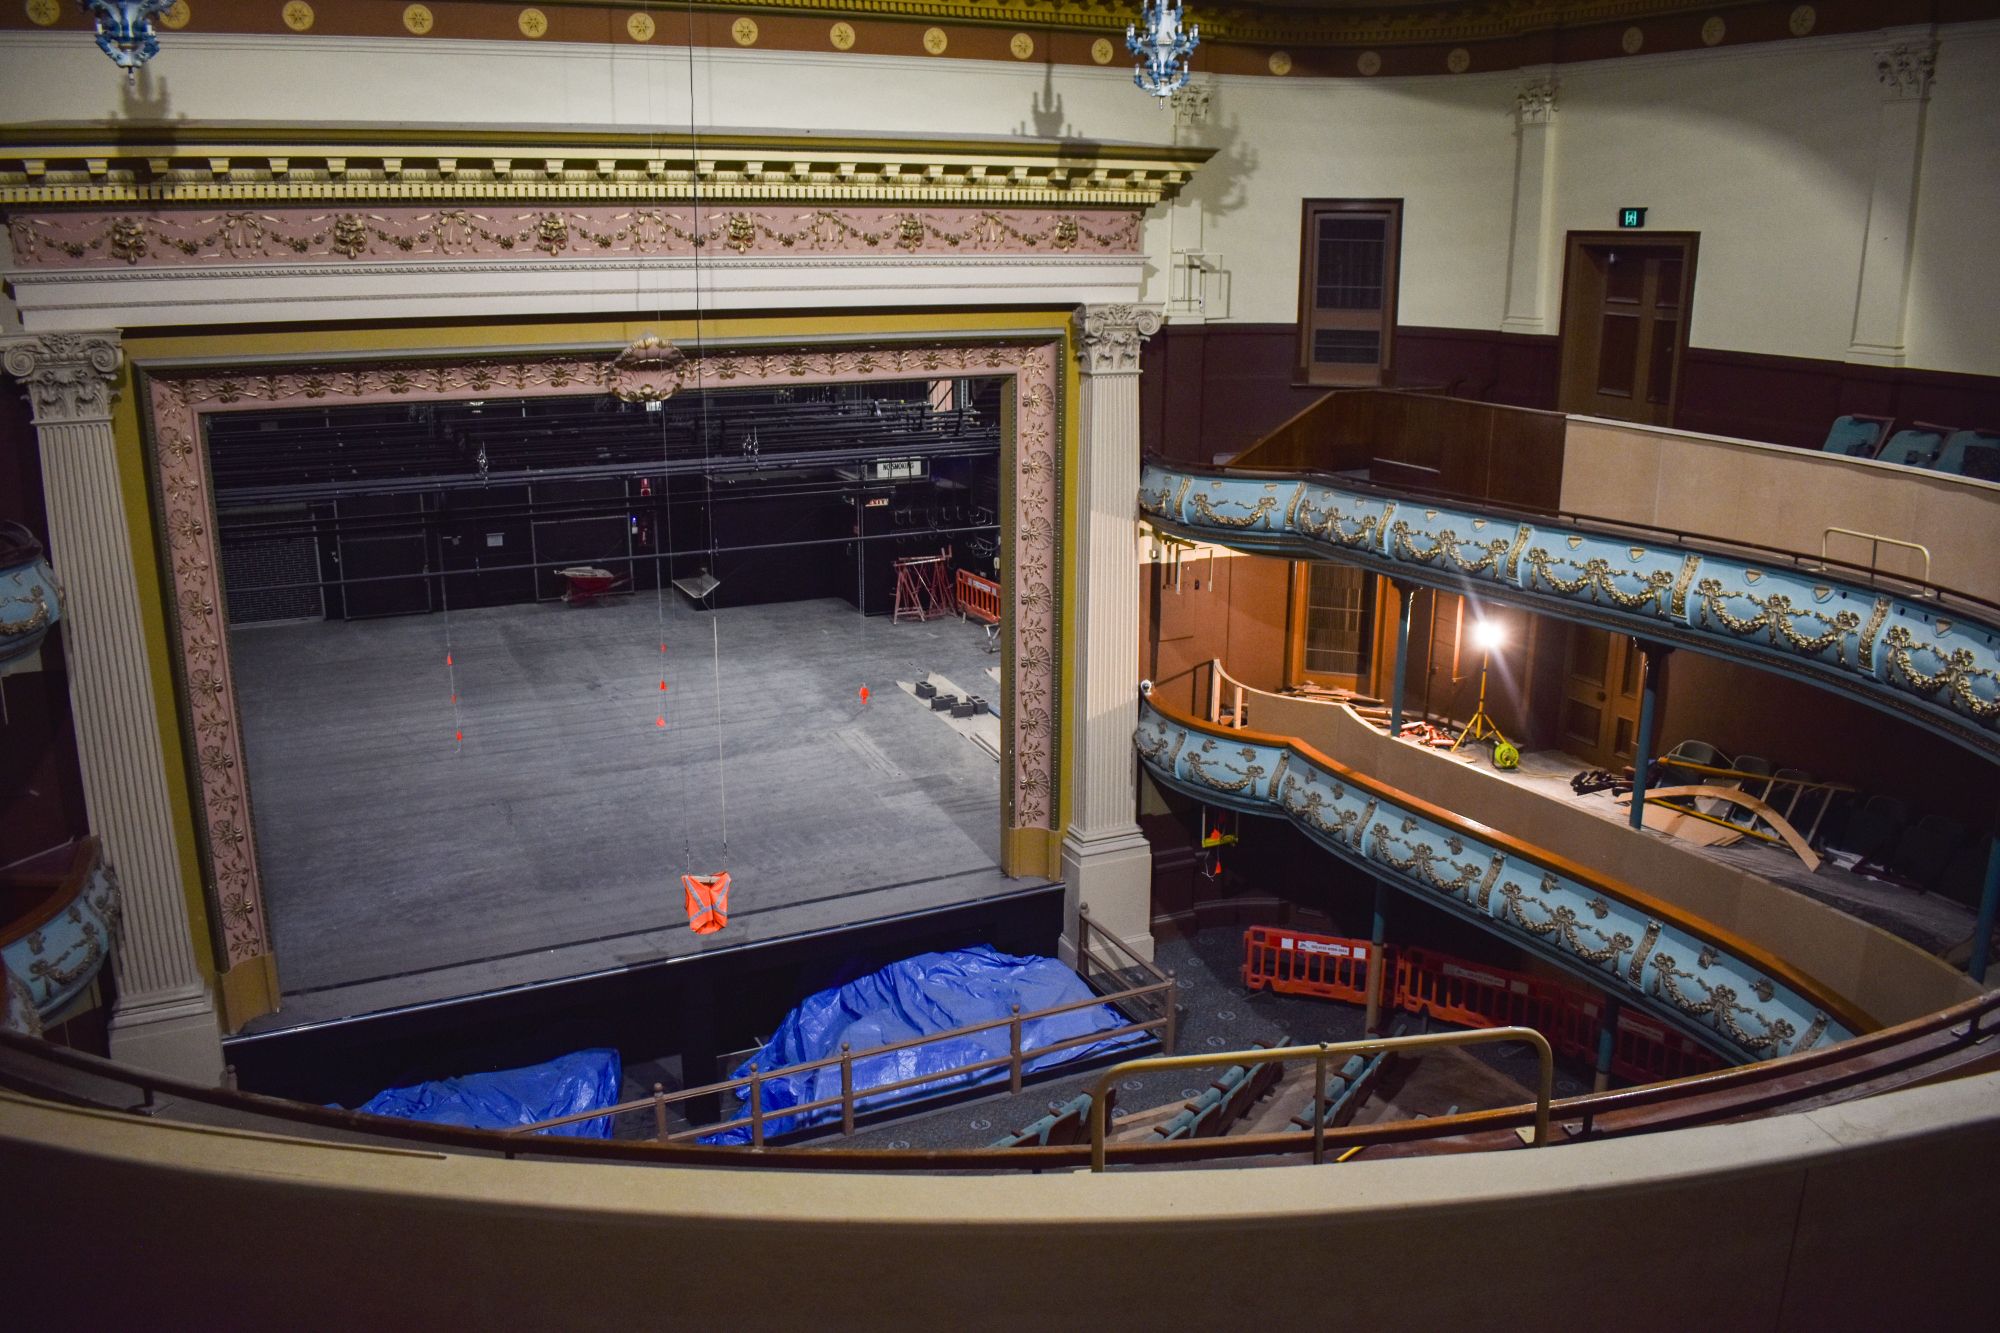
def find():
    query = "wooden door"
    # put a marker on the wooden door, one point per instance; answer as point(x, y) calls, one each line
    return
point(1625, 312)
point(1333, 625)
point(1599, 720)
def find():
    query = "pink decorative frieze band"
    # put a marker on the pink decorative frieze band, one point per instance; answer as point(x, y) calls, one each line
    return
point(179, 401)
point(189, 238)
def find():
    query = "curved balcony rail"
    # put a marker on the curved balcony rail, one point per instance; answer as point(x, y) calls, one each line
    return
point(1954, 1041)
point(1732, 996)
point(59, 913)
point(1321, 1056)
point(1908, 653)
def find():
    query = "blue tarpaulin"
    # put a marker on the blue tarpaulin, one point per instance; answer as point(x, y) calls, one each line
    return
point(932, 992)
point(510, 1098)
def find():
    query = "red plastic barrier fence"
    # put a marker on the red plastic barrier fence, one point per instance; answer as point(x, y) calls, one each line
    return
point(1298, 964)
point(1477, 996)
point(978, 597)
point(1468, 994)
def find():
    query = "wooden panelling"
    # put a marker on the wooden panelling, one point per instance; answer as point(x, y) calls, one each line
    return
point(1741, 710)
point(1792, 400)
point(1228, 606)
point(1210, 390)
point(1214, 389)
point(1424, 442)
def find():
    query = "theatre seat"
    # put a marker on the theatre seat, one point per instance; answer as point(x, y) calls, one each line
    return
point(1971, 453)
point(1915, 446)
point(1856, 436)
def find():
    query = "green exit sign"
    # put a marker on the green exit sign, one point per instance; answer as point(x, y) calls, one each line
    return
point(1631, 217)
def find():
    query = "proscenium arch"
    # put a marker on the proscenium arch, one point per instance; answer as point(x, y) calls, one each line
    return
point(175, 395)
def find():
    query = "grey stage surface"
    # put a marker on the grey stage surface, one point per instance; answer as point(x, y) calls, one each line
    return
point(400, 867)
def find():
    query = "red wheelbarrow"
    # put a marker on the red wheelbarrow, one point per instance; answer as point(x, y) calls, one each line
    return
point(587, 583)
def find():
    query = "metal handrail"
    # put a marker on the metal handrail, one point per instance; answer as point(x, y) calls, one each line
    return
point(1868, 575)
point(1319, 1055)
point(1804, 784)
point(755, 1079)
point(1962, 1027)
point(1163, 984)
point(1841, 1008)
point(1876, 541)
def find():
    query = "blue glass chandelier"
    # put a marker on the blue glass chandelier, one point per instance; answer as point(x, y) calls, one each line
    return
point(1164, 49)
point(125, 30)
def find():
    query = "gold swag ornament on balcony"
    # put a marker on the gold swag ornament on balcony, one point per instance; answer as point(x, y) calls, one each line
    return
point(649, 371)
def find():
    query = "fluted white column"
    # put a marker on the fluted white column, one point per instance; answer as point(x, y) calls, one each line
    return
point(164, 1019)
point(1531, 264)
point(1106, 862)
point(1903, 71)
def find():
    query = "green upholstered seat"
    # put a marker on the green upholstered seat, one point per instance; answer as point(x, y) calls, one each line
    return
point(1915, 446)
point(1962, 445)
point(1855, 436)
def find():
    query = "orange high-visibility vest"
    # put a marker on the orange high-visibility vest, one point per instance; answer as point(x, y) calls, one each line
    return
point(707, 902)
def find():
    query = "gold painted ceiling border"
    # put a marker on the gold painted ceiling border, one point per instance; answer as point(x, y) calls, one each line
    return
point(1370, 25)
point(77, 166)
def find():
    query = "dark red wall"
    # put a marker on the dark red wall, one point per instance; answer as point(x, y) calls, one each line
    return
point(1210, 389)
point(1791, 400)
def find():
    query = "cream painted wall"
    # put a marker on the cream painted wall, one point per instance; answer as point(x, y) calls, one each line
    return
point(1443, 146)
point(1766, 150)
point(1954, 312)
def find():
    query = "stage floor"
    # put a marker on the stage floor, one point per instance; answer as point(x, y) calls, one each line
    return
point(401, 867)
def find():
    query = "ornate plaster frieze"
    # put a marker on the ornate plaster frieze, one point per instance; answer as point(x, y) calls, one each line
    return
point(1108, 337)
point(69, 377)
point(180, 399)
point(1590, 925)
point(78, 166)
point(1935, 666)
point(1905, 71)
point(206, 236)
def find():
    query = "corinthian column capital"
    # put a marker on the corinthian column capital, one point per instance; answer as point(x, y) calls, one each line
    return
point(1108, 337)
point(1535, 99)
point(67, 377)
point(1905, 71)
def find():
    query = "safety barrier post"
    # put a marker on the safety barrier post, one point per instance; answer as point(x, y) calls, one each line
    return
point(846, 1089)
point(1014, 1051)
point(1319, 1106)
point(659, 1112)
point(1407, 599)
point(1654, 686)
point(1372, 1023)
point(1607, 1040)
point(756, 1108)
point(1989, 902)
point(1172, 1032)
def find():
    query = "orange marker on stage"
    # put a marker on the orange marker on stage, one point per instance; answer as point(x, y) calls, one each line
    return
point(458, 735)
point(447, 659)
point(864, 694)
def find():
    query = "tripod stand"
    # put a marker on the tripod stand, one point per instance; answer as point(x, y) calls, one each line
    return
point(1481, 727)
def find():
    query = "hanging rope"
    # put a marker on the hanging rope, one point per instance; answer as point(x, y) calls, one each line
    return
point(707, 479)
point(450, 662)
